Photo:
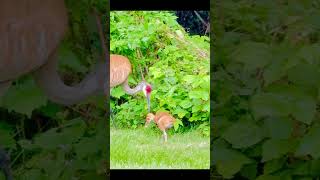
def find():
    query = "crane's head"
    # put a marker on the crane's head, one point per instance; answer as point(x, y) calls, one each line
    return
point(147, 88)
point(149, 118)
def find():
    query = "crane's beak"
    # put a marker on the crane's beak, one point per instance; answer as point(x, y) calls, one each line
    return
point(148, 101)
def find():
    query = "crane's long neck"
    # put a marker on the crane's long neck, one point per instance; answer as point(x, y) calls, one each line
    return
point(130, 91)
point(48, 79)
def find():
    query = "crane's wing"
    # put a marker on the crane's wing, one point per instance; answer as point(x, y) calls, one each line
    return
point(120, 68)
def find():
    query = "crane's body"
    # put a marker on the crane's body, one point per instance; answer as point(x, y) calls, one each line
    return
point(120, 69)
point(163, 120)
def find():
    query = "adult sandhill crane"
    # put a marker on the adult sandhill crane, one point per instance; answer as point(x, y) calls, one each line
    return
point(120, 69)
point(30, 33)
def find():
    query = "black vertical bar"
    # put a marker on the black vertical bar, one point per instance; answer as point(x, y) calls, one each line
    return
point(211, 120)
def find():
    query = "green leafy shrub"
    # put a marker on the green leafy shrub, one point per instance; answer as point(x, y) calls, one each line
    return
point(175, 63)
point(266, 89)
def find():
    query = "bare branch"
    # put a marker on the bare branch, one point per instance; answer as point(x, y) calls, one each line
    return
point(141, 73)
point(198, 15)
point(102, 38)
point(201, 53)
point(139, 56)
point(208, 28)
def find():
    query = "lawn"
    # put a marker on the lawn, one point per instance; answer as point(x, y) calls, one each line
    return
point(143, 148)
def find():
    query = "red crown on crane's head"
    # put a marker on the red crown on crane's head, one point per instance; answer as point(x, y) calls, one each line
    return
point(148, 89)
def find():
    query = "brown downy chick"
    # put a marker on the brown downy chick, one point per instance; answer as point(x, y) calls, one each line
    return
point(163, 120)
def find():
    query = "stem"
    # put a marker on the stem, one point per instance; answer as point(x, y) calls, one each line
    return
point(102, 38)
point(198, 15)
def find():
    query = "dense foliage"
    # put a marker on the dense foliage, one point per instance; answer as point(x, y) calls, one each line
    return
point(175, 63)
point(49, 141)
point(266, 89)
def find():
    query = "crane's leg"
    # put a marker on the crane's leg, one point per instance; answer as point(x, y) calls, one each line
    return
point(165, 137)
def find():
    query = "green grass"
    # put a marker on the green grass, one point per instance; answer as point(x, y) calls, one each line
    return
point(143, 148)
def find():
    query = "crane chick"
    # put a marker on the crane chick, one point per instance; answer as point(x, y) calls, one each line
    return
point(163, 120)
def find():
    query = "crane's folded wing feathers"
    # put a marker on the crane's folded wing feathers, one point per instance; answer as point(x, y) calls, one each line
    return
point(120, 68)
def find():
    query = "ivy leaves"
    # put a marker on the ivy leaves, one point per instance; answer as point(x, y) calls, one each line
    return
point(243, 134)
point(276, 148)
point(24, 97)
point(285, 100)
point(228, 161)
point(69, 153)
point(248, 53)
point(309, 144)
point(266, 88)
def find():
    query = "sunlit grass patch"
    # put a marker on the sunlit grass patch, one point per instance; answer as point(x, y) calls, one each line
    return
point(144, 149)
